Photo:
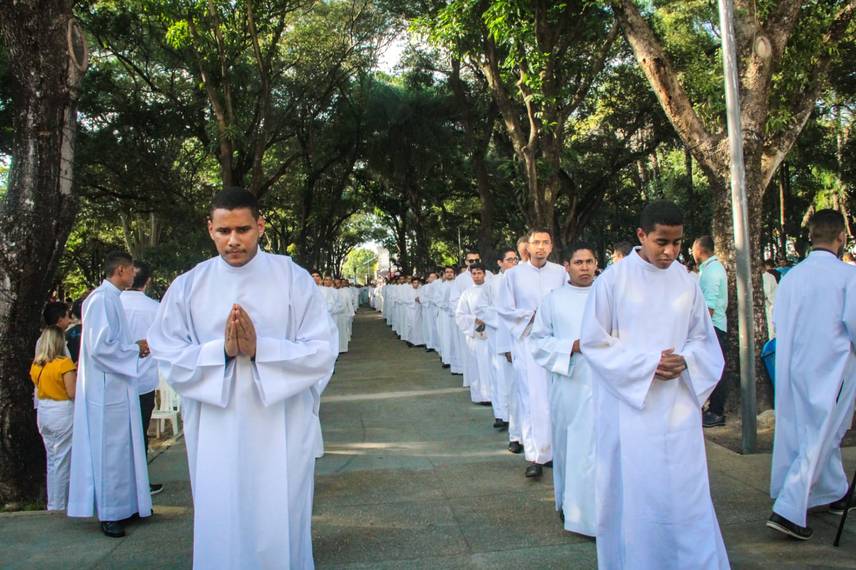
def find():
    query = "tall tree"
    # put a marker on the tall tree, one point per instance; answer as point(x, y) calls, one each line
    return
point(785, 49)
point(46, 57)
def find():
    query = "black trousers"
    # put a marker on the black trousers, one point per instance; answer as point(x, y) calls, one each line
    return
point(720, 393)
point(147, 406)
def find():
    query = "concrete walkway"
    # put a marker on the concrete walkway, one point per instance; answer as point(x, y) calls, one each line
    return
point(415, 477)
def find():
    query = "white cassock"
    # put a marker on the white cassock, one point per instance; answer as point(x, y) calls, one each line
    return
point(386, 304)
point(477, 365)
point(415, 333)
point(524, 287)
point(348, 315)
point(815, 383)
point(558, 323)
point(504, 400)
point(140, 311)
point(109, 474)
point(653, 496)
point(770, 288)
point(445, 323)
point(336, 309)
point(427, 304)
point(251, 426)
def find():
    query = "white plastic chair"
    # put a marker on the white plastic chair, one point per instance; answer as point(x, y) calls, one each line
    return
point(168, 408)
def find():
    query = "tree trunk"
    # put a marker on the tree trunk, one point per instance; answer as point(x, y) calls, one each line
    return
point(37, 212)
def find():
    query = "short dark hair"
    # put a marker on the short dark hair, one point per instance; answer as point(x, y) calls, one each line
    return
point(825, 225)
point(706, 243)
point(660, 212)
point(578, 246)
point(77, 307)
point(523, 239)
point(500, 253)
point(539, 230)
point(314, 272)
point(142, 275)
point(472, 252)
point(235, 198)
point(53, 312)
point(415, 278)
point(116, 259)
point(479, 266)
point(452, 267)
point(430, 273)
point(623, 247)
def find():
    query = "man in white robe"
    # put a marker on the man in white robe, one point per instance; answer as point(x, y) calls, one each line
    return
point(649, 340)
point(555, 343)
point(336, 309)
point(429, 312)
point(815, 318)
point(109, 473)
point(504, 398)
point(477, 358)
point(140, 311)
point(247, 341)
point(523, 290)
point(446, 322)
point(410, 295)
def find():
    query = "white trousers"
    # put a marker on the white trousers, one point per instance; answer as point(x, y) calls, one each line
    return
point(55, 420)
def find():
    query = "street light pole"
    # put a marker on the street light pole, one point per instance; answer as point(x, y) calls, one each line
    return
point(740, 215)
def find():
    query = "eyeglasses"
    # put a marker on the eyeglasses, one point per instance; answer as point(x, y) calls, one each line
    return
point(471, 261)
point(511, 259)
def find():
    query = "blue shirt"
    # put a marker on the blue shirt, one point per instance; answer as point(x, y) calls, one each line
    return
point(714, 286)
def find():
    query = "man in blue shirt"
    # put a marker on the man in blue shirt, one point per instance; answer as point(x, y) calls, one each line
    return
point(714, 286)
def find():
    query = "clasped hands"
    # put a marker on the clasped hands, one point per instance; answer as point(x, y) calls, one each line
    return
point(671, 365)
point(240, 336)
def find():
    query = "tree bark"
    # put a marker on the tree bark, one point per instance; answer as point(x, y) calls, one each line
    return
point(37, 212)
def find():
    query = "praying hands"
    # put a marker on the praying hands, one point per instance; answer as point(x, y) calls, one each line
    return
point(671, 365)
point(240, 337)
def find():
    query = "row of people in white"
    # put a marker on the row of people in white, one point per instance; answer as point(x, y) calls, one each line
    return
point(342, 301)
point(607, 378)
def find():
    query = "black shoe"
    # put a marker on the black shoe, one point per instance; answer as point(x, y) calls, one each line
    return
point(113, 529)
point(515, 447)
point(497, 423)
point(709, 420)
point(839, 506)
point(783, 525)
point(409, 344)
point(457, 373)
point(155, 488)
point(485, 403)
point(429, 350)
point(534, 470)
point(504, 426)
point(446, 365)
point(561, 515)
point(549, 464)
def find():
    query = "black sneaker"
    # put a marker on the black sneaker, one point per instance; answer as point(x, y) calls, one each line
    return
point(515, 447)
point(534, 471)
point(839, 506)
point(709, 420)
point(155, 488)
point(783, 525)
point(497, 423)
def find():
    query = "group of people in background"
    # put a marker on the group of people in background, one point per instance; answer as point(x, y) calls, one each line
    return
point(609, 377)
point(342, 302)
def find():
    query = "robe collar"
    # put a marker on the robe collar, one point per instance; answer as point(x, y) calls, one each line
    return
point(110, 288)
point(824, 250)
point(647, 265)
point(246, 267)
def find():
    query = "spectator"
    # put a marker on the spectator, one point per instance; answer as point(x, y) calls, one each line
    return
point(73, 331)
point(55, 375)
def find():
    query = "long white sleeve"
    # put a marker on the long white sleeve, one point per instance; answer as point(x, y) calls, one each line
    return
point(549, 349)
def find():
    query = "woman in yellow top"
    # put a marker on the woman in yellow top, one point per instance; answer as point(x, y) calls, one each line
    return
point(55, 375)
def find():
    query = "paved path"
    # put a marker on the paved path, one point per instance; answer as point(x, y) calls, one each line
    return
point(415, 477)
